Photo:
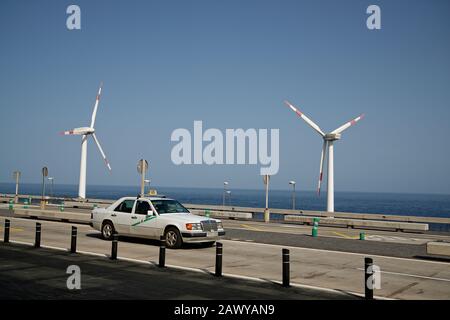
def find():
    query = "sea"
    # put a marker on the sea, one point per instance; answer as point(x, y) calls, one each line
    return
point(428, 205)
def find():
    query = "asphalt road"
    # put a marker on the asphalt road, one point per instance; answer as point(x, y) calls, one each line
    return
point(400, 278)
point(378, 242)
point(331, 243)
point(28, 273)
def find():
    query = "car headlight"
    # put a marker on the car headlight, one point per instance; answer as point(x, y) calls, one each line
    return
point(219, 225)
point(193, 226)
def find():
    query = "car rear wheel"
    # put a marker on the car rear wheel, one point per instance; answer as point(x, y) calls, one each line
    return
point(108, 230)
point(173, 238)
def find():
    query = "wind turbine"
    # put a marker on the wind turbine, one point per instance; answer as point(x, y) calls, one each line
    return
point(328, 141)
point(85, 132)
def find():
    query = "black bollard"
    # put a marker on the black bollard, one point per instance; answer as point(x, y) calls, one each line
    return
point(219, 252)
point(162, 252)
point(37, 240)
point(368, 277)
point(286, 268)
point(114, 246)
point(6, 233)
point(73, 240)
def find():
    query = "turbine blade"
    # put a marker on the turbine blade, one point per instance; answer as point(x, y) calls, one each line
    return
point(322, 160)
point(305, 118)
point(97, 99)
point(101, 151)
point(348, 124)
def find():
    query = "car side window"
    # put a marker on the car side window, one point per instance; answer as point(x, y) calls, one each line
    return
point(142, 207)
point(126, 206)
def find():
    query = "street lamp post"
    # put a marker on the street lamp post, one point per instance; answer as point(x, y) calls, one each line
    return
point(293, 194)
point(44, 175)
point(224, 192)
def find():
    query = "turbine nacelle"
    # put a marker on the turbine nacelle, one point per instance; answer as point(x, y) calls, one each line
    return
point(332, 136)
point(88, 130)
point(79, 131)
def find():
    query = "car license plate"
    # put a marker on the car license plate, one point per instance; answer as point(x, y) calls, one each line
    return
point(212, 234)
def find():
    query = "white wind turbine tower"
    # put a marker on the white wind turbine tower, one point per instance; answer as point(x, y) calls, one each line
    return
point(328, 140)
point(85, 132)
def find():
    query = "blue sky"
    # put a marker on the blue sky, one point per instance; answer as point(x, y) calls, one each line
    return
point(230, 64)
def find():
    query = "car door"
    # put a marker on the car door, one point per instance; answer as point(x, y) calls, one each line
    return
point(121, 217)
point(144, 224)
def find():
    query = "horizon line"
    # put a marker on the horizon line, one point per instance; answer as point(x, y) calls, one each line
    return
point(249, 189)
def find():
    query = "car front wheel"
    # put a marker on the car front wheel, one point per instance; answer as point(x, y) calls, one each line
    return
point(108, 230)
point(173, 238)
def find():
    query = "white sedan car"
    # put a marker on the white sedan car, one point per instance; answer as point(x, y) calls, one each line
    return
point(153, 217)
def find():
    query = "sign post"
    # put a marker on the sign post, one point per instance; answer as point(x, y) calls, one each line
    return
point(266, 210)
point(142, 168)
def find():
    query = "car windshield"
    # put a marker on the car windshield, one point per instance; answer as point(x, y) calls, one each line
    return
point(168, 206)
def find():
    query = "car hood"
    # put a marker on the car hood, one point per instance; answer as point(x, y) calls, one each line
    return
point(186, 217)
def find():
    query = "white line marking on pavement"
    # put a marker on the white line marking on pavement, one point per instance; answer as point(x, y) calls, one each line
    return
point(411, 275)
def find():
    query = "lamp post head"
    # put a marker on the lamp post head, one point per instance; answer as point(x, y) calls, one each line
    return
point(292, 182)
point(225, 183)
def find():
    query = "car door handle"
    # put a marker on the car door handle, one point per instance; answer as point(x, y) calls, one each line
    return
point(114, 215)
point(133, 217)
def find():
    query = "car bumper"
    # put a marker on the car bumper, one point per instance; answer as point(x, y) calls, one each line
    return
point(201, 236)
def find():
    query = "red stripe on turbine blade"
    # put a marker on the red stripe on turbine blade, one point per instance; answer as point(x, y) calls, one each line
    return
point(352, 122)
point(320, 177)
point(293, 108)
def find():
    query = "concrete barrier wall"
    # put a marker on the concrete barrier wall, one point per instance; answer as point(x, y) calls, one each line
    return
point(438, 248)
point(224, 214)
point(360, 223)
point(53, 214)
point(349, 215)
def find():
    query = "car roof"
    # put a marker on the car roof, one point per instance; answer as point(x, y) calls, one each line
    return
point(157, 198)
point(151, 198)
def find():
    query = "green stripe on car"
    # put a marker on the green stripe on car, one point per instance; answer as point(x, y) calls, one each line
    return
point(146, 219)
